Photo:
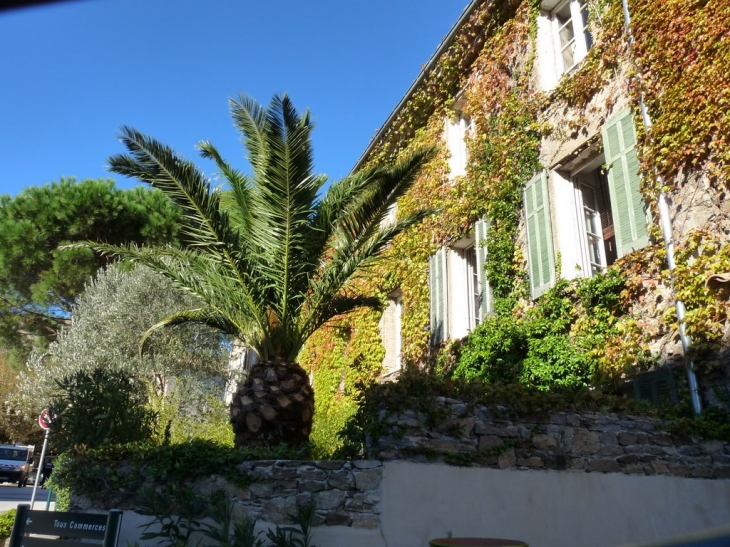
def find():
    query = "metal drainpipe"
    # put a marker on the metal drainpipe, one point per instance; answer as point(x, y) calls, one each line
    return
point(667, 233)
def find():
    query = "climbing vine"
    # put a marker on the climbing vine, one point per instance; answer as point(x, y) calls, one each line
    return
point(682, 60)
point(680, 63)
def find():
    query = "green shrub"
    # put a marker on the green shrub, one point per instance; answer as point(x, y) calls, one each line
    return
point(99, 472)
point(101, 407)
point(494, 352)
point(535, 349)
point(554, 362)
point(6, 523)
point(576, 334)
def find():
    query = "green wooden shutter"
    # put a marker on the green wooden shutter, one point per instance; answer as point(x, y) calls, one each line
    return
point(539, 235)
point(437, 288)
point(627, 205)
point(485, 294)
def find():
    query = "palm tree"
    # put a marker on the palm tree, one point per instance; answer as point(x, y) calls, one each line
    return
point(271, 259)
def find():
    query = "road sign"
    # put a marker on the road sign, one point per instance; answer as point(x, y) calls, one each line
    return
point(44, 420)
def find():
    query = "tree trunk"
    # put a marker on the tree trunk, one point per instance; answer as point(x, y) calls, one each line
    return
point(275, 405)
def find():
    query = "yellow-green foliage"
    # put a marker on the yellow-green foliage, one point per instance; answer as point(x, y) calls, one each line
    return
point(700, 256)
point(340, 359)
point(682, 56)
point(191, 409)
point(6, 523)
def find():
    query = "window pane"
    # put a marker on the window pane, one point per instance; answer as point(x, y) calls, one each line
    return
point(586, 32)
point(566, 35)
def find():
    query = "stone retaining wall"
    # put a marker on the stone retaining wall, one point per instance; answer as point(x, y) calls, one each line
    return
point(579, 441)
point(350, 494)
point(345, 493)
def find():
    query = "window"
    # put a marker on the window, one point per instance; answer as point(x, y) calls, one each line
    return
point(390, 333)
point(460, 296)
point(571, 34)
point(598, 210)
point(563, 38)
point(595, 218)
point(456, 131)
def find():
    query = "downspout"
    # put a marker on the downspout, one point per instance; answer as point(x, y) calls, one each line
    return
point(667, 232)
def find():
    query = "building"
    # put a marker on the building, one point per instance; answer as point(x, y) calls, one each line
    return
point(547, 172)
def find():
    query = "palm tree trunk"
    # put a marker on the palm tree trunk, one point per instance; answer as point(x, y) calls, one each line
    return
point(275, 405)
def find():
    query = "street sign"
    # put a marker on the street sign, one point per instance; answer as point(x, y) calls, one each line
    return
point(44, 420)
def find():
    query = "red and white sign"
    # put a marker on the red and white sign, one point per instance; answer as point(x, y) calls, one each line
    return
point(44, 420)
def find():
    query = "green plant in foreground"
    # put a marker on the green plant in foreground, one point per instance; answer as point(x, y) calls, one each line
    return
point(6, 523)
point(100, 407)
point(177, 514)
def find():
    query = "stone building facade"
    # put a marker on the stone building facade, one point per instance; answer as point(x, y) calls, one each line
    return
point(591, 203)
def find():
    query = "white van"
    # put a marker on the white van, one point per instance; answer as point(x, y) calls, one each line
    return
point(16, 463)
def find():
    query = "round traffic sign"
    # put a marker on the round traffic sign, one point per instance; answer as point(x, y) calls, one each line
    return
point(44, 420)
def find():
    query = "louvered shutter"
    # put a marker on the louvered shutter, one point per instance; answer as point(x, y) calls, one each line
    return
point(619, 143)
point(485, 294)
point(437, 288)
point(540, 257)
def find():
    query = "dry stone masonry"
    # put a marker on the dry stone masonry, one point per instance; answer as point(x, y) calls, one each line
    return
point(577, 441)
point(345, 493)
point(348, 493)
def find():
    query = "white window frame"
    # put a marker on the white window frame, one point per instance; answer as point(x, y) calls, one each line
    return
point(460, 296)
point(589, 267)
point(551, 63)
point(392, 318)
point(579, 27)
point(572, 236)
point(463, 287)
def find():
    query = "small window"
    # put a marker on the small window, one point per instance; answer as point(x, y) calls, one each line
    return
point(456, 131)
point(571, 33)
point(390, 333)
point(460, 295)
point(595, 218)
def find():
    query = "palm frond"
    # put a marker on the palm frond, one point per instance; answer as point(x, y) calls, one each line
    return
point(250, 119)
point(236, 200)
point(371, 207)
point(203, 276)
point(283, 196)
point(203, 223)
point(346, 263)
point(339, 306)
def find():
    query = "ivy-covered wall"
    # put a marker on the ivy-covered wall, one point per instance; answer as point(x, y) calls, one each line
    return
point(680, 63)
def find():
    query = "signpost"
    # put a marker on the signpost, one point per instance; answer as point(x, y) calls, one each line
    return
point(64, 529)
point(44, 421)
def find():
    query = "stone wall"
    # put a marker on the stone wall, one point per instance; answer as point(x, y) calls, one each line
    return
point(576, 441)
point(345, 493)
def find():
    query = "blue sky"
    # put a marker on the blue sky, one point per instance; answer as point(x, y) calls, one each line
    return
point(74, 72)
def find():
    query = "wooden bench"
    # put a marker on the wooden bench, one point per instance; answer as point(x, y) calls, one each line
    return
point(64, 529)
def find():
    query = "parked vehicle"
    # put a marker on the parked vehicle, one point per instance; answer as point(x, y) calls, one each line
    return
point(16, 463)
